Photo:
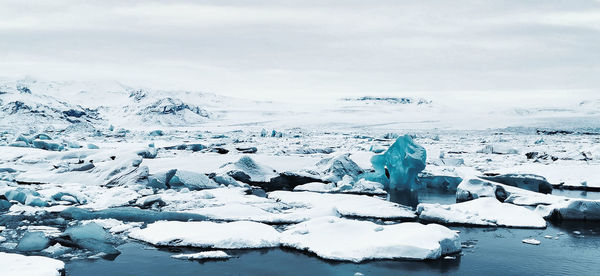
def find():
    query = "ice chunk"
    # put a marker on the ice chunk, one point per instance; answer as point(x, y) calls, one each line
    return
point(486, 211)
point(206, 234)
point(148, 153)
point(92, 237)
point(529, 182)
point(318, 187)
point(399, 166)
point(572, 209)
point(33, 241)
point(532, 241)
point(473, 188)
point(498, 149)
point(46, 145)
point(191, 180)
point(351, 240)
point(334, 169)
point(343, 204)
point(150, 201)
point(56, 250)
point(128, 214)
point(156, 132)
point(346, 185)
point(177, 179)
point(92, 146)
point(441, 182)
point(4, 205)
point(206, 255)
point(247, 170)
point(15, 264)
point(224, 179)
point(26, 196)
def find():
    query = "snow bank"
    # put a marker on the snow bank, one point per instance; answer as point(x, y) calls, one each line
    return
point(351, 240)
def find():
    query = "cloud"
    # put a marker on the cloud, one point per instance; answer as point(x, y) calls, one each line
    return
point(307, 48)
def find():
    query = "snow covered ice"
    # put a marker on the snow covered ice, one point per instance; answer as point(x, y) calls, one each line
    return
point(350, 240)
point(204, 234)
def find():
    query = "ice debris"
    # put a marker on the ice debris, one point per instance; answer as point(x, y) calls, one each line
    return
point(206, 255)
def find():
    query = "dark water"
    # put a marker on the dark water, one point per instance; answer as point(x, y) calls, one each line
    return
point(488, 251)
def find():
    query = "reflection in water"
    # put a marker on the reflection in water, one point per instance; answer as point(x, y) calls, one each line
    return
point(426, 195)
point(405, 197)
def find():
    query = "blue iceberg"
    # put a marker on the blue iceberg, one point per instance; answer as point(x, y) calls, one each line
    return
point(398, 167)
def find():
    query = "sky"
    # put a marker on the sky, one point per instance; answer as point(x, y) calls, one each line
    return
point(287, 49)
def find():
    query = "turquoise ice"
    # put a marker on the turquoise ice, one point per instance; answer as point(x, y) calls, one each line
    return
point(397, 168)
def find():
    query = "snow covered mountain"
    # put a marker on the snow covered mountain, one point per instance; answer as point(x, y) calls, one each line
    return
point(28, 103)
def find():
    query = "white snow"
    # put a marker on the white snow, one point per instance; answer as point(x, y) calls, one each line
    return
point(336, 238)
point(320, 204)
point(206, 234)
point(15, 264)
point(485, 211)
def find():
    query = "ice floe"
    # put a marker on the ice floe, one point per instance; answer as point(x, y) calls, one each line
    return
point(342, 239)
point(485, 211)
point(15, 264)
point(206, 234)
point(206, 255)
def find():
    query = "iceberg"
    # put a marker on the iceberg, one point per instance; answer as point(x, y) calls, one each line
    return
point(341, 239)
point(399, 166)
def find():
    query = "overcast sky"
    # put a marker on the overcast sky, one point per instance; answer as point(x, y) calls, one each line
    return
point(290, 48)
